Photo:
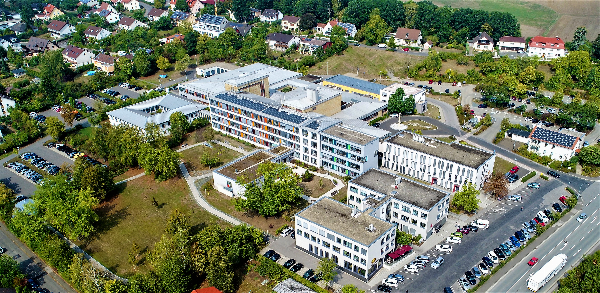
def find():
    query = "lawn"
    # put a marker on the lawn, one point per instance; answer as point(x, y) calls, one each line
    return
point(368, 61)
point(447, 99)
point(432, 111)
point(225, 204)
point(531, 14)
point(191, 157)
point(502, 166)
point(312, 188)
point(448, 139)
point(130, 217)
point(418, 125)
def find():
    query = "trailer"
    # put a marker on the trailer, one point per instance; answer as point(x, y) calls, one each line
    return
point(549, 270)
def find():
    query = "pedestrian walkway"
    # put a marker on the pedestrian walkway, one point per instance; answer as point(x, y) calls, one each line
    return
point(229, 146)
point(200, 200)
point(131, 178)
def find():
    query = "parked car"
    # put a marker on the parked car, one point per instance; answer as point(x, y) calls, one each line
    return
point(443, 248)
point(392, 282)
point(520, 236)
point(288, 264)
point(397, 277)
point(297, 267)
point(532, 261)
point(424, 258)
point(553, 173)
point(384, 288)
point(483, 268)
point(488, 261)
point(534, 185)
point(457, 234)
point(275, 256)
point(437, 262)
point(470, 277)
point(464, 284)
point(269, 253)
point(493, 256)
point(382, 46)
point(308, 274)
point(514, 169)
point(453, 239)
point(563, 199)
point(514, 197)
point(483, 106)
point(473, 228)
point(316, 277)
point(557, 207)
point(476, 272)
point(411, 269)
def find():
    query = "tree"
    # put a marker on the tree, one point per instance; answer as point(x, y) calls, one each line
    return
point(585, 277)
point(307, 22)
point(10, 274)
point(391, 44)
point(98, 179)
point(408, 106)
point(163, 63)
point(7, 197)
point(395, 103)
point(164, 23)
point(68, 114)
point(466, 199)
point(219, 271)
point(160, 4)
point(124, 68)
point(171, 261)
point(497, 185)
point(349, 288)
point(241, 10)
point(590, 155)
point(279, 191)
point(327, 267)
point(190, 41)
point(179, 127)
point(54, 127)
point(596, 47)
point(357, 12)
point(182, 64)
point(52, 71)
point(374, 30)
point(579, 38)
point(141, 63)
point(208, 134)
point(181, 5)
point(163, 162)
point(403, 238)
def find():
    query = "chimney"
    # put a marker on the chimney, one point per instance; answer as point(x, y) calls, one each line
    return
point(312, 95)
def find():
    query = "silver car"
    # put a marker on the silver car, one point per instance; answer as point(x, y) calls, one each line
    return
point(437, 263)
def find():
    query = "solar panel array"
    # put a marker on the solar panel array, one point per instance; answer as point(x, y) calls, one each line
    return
point(293, 118)
point(553, 137)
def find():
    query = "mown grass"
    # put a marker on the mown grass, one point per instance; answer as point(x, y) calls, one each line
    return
point(502, 166)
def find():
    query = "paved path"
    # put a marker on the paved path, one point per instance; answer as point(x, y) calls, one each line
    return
point(131, 178)
point(239, 150)
point(200, 200)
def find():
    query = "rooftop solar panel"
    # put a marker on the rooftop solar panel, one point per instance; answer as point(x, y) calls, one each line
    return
point(554, 137)
point(284, 115)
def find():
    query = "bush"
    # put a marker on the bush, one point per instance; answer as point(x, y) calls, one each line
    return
point(307, 176)
point(528, 176)
point(543, 176)
point(278, 231)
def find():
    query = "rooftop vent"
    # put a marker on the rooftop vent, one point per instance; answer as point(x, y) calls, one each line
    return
point(355, 213)
point(371, 228)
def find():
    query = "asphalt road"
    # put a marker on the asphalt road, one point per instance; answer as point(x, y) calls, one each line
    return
point(579, 237)
point(504, 221)
point(31, 264)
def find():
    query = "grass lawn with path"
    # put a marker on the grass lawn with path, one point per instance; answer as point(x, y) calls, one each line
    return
point(130, 217)
point(313, 189)
point(418, 125)
point(191, 157)
point(433, 111)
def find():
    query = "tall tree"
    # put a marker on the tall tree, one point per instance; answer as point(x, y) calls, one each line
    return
point(182, 5)
point(374, 30)
point(307, 21)
point(327, 267)
point(10, 273)
point(172, 263)
point(54, 127)
point(358, 12)
point(396, 100)
point(219, 272)
point(466, 199)
point(596, 47)
point(241, 10)
point(579, 38)
point(163, 63)
point(160, 4)
point(142, 63)
point(98, 179)
point(52, 71)
point(7, 197)
point(179, 127)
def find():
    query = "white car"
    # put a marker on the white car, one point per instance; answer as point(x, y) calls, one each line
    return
point(514, 197)
point(437, 263)
point(443, 248)
point(481, 224)
point(411, 269)
point(392, 282)
point(382, 46)
point(493, 257)
point(453, 239)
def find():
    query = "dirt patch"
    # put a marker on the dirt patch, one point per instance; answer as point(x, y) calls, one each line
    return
point(317, 186)
point(432, 111)
point(566, 25)
point(531, 31)
point(447, 99)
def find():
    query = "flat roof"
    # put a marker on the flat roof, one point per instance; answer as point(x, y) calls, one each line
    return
point(360, 110)
point(408, 90)
point(349, 135)
point(337, 217)
point(356, 83)
point(454, 152)
point(408, 191)
point(246, 166)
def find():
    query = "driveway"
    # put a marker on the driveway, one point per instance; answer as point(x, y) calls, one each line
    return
point(125, 91)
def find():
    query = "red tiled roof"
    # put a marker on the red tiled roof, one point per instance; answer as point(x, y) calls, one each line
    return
point(72, 52)
point(126, 21)
point(511, 39)
point(407, 34)
point(106, 59)
point(207, 290)
point(56, 25)
point(321, 25)
point(156, 12)
point(290, 19)
point(49, 8)
point(92, 30)
point(103, 6)
point(545, 42)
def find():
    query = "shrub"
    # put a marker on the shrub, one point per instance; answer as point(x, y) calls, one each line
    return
point(543, 176)
point(307, 176)
point(528, 176)
point(278, 231)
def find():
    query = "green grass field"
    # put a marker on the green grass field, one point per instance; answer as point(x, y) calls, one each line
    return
point(527, 13)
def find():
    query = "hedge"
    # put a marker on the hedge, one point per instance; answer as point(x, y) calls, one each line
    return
point(528, 176)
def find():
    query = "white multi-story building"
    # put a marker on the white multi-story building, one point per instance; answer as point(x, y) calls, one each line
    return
point(357, 242)
point(557, 145)
point(546, 48)
point(416, 208)
point(210, 25)
point(449, 165)
point(511, 44)
point(417, 93)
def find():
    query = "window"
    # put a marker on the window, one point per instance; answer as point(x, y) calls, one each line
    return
point(356, 248)
point(423, 216)
point(404, 218)
point(306, 235)
point(353, 189)
point(352, 197)
point(338, 240)
point(405, 209)
point(313, 238)
point(363, 251)
point(422, 225)
point(347, 254)
point(415, 212)
point(387, 237)
point(298, 232)
point(413, 221)
point(330, 237)
point(363, 262)
point(336, 249)
point(395, 215)
point(363, 193)
point(396, 205)
point(326, 244)
point(347, 244)
point(356, 258)
point(358, 200)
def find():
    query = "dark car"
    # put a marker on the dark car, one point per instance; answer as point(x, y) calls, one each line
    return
point(488, 262)
point(308, 274)
point(448, 290)
point(520, 236)
point(376, 124)
point(269, 253)
point(470, 277)
point(548, 214)
point(384, 288)
point(275, 256)
point(535, 120)
point(557, 207)
point(499, 253)
point(553, 174)
point(317, 277)
point(482, 106)
point(288, 264)
point(297, 267)
point(32, 284)
point(528, 101)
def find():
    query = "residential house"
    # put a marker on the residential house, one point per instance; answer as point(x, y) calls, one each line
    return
point(408, 37)
point(171, 38)
point(128, 23)
point(270, 15)
point(108, 12)
point(128, 4)
point(482, 42)
point(106, 6)
point(60, 29)
point(320, 28)
point(518, 135)
point(417, 93)
point(49, 12)
point(511, 44)
point(155, 14)
point(427, 45)
point(546, 48)
point(210, 25)
point(355, 85)
point(89, 3)
point(39, 45)
point(448, 165)
point(178, 17)
point(157, 111)
point(97, 33)
point(255, 13)
point(560, 146)
point(348, 27)
point(12, 42)
point(18, 72)
point(281, 42)
point(241, 28)
point(309, 46)
point(76, 56)
point(196, 6)
point(19, 28)
point(290, 23)
point(105, 62)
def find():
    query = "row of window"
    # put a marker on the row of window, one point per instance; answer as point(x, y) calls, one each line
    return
point(341, 144)
point(337, 249)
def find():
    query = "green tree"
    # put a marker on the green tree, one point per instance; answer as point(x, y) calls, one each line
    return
point(124, 68)
point(596, 47)
point(7, 197)
point(396, 101)
point(349, 288)
point(408, 106)
point(141, 63)
point(307, 22)
point(374, 30)
point(10, 274)
point(68, 114)
point(182, 64)
point(328, 268)
point(181, 5)
point(162, 162)
point(391, 44)
point(52, 71)
point(171, 261)
point(466, 199)
point(241, 10)
point(179, 127)
point(358, 12)
point(585, 277)
point(403, 238)
point(219, 271)
point(160, 4)
point(98, 179)
point(54, 127)
point(590, 155)
point(163, 63)
point(579, 38)
point(280, 191)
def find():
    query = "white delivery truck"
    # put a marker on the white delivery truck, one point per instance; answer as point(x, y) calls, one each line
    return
point(549, 270)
